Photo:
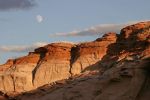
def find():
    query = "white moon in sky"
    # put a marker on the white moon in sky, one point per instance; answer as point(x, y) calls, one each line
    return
point(39, 18)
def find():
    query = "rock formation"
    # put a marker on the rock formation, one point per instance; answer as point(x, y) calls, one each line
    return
point(54, 65)
point(114, 67)
point(87, 54)
point(52, 62)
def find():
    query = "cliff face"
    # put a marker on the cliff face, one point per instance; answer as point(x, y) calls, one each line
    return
point(52, 62)
point(44, 65)
point(54, 65)
point(114, 67)
point(86, 55)
point(17, 74)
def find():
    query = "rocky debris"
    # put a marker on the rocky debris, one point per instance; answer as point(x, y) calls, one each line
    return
point(113, 67)
point(3, 96)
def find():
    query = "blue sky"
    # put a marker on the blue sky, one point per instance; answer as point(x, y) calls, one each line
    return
point(20, 28)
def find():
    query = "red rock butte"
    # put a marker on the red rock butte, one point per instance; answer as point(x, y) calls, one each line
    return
point(113, 67)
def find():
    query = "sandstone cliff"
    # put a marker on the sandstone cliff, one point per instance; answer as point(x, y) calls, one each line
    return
point(114, 67)
point(52, 62)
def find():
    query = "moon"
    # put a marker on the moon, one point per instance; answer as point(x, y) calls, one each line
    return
point(39, 18)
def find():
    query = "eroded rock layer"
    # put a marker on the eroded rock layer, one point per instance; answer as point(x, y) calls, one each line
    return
point(86, 55)
point(114, 67)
